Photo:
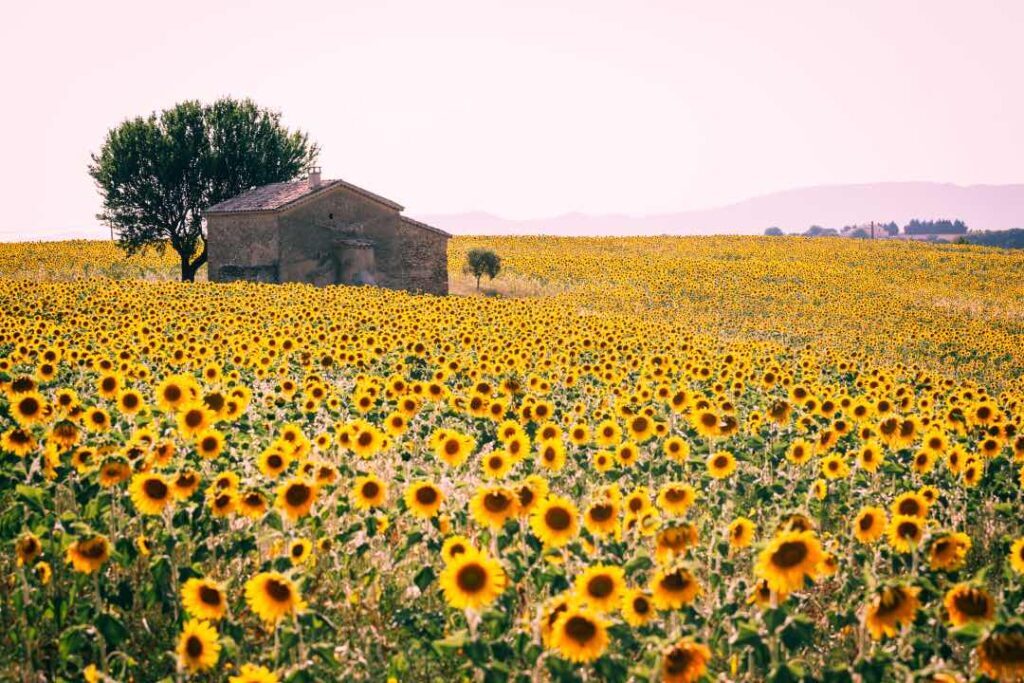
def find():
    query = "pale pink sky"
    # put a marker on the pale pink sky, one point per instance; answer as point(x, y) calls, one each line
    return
point(531, 108)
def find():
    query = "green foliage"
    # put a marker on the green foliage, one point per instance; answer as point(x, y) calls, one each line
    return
point(482, 262)
point(159, 174)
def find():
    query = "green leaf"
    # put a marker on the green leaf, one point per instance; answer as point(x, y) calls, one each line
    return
point(424, 577)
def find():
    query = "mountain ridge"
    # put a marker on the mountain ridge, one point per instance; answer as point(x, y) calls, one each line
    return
point(981, 206)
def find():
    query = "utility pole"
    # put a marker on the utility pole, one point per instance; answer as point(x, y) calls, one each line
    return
point(872, 230)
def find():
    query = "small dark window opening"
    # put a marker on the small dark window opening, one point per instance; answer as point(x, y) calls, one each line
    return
point(330, 216)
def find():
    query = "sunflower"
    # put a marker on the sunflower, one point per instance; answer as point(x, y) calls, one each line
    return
point(18, 441)
point(65, 434)
point(636, 607)
point(496, 464)
point(223, 504)
point(198, 648)
point(173, 391)
point(673, 541)
point(869, 524)
point(454, 546)
point(184, 484)
point(721, 464)
point(28, 409)
point(151, 493)
point(555, 521)
point(368, 492)
point(684, 662)
point(676, 448)
point(491, 506)
point(602, 460)
point(295, 497)
point(799, 452)
point(741, 532)
point(870, 456)
point(833, 466)
point(27, 548)
point(640, 428)
point(789, 560)
point(272, 596)
point(194, 419)
point(204, 599)
point(579, 635)
point(967, 605)
point(210, 443)
point(453, 448)
point(923, 462)
point(601, 518)
point(910, 503)
point(1017, 556)
point(423, 499)
point(706, 423)
point(1001, 654)
point(601, 586)
point(299, 551)
point(253, 673)
point(627, 453)
point(97, 420)
point(891, 609)
point(551, 455)
point(88, 555)
point(471, 580)
point(608, 433)
point(529, 491)
point(551, 610)
point(905, 532)
point(366, 440)
point(273, 461)
point(948, 552)
point(43, 572)
point(673, 588)
point(579, 434)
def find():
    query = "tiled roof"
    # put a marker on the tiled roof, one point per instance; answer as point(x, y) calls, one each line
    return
point(431, 228)
point(277, 196)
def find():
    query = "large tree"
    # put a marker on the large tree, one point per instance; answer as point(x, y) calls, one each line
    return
point(159, 174)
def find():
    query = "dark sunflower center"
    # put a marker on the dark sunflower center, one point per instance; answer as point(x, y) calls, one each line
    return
point(471, 578)
point(677, 662)
point(451, 446)
point(194, 647)
point(209, 596)
point(371, 489)
point(721, 462)
point(790, 554)
point(601, 512)
point(364, 439)
point(558, 519)
point(907, 530)
point(866, 522)
point(275, 461)
point(297, 494)
point(580, 629)
point(172, 393)
point(675, 582)
point(193, 418)
point(496, 501)
point(426, 495)
point(709, 419)
point(973, 603)
point(93, 550)
point(278, 590)
point(600, 586)
point(155, 489)
point(641, 606)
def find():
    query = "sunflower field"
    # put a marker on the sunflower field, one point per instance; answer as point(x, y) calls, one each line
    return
point(718, 458)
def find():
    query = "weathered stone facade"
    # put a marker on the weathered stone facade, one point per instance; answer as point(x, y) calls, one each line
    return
point(323, 233)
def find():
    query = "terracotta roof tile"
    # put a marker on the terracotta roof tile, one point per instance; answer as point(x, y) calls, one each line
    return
point(277, 196)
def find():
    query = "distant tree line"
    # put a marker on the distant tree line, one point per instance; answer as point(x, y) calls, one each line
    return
point(939, 227)
point(1005, 239)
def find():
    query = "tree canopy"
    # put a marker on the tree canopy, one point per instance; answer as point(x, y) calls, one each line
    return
point(482, 262)
point(159, 174)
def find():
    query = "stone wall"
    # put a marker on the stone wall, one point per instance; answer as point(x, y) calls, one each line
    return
point(241, 241)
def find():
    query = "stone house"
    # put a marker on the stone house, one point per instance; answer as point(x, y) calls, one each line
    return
point(323, 232)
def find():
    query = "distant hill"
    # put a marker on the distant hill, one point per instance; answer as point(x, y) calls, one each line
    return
point(982, 207)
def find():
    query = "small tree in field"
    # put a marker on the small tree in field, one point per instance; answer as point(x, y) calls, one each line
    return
point(482, 262)
point(159, 174)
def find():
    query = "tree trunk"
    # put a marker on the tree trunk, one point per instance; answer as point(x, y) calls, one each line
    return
point(188, 270)
point(478, 283)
